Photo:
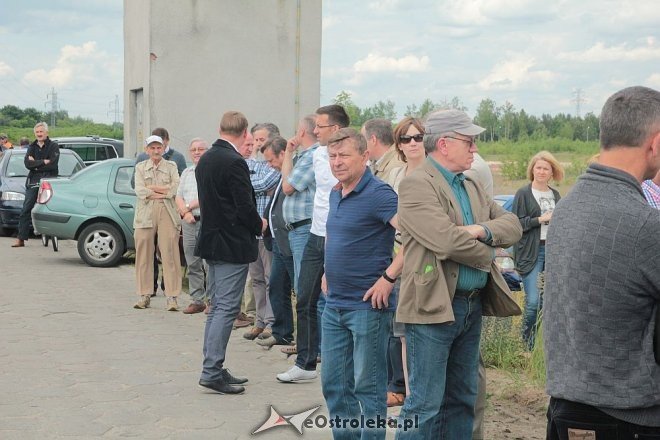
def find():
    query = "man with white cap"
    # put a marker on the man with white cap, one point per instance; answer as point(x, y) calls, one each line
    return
point(450, 229)
point(156, 183)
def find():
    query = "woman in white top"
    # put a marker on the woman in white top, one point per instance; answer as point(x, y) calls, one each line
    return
point(533, 204)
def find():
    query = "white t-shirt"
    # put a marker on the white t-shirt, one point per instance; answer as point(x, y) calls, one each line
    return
point(325, 181)
point(546, 200)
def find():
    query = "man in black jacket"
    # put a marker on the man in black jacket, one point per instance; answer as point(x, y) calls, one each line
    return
point(227, 241)
point(41, 159)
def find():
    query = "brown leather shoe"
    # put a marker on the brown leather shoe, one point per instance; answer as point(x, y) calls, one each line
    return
point(194, 308)
point(18, 243)
point(395, 399)
point(253, 333)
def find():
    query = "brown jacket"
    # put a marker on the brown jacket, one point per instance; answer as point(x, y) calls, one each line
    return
point(388, 162)
point(434, 247)
point(146, 174)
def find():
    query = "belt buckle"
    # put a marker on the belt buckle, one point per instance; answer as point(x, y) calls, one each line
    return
point(288, 227)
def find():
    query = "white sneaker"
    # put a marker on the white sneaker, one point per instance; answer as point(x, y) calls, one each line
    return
point(296, 374)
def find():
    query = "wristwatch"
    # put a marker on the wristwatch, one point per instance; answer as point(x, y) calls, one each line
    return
point(188, 207)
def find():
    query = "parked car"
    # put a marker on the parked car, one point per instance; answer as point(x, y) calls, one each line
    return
point(92, 149)
point(503, 258)
point(13, 175)
point(95, 206)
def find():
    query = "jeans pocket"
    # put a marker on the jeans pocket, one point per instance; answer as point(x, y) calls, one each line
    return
point(571, 429)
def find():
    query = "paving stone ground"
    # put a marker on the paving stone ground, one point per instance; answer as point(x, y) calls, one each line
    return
point(78, 362)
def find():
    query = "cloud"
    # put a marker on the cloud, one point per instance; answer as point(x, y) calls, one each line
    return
point(378, 63)
point(514, 73)
point(482, 12)
point(653, 81)
point(5, 69)
point(75, 64)
point(599, 53)
point(329, 21)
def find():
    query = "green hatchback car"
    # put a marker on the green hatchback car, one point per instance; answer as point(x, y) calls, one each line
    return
point(95, 207)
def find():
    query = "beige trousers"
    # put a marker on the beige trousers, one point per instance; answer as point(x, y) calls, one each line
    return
point(168, 243)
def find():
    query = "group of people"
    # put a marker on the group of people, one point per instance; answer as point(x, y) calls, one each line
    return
point(388, 237)
point(5, 143)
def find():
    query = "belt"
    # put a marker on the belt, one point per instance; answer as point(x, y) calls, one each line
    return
point(542, 242)
point(467, 293)
point(197, 218)
point(294, 225)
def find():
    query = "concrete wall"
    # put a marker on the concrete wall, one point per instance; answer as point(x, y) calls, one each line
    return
point(196, 59)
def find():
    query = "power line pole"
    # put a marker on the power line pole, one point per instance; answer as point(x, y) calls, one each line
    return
point(114, 108)
point(54, 105)
point(578, 99)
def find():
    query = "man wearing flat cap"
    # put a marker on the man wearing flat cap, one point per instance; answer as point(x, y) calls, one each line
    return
point(450, 229)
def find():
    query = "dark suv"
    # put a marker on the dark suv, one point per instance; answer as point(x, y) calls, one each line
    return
point(92, 149)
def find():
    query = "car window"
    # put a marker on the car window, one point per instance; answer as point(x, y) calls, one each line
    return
point(91, 152)
point(68, 165)
point(123, 181)
point(16, 166)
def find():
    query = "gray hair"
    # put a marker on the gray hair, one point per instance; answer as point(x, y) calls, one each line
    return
point(629, 117)
point(198, 139)
point(381, 128)
point(308, 123)
point(277, 145)
point(431, 140)
point(269, 127)
point(41, 124)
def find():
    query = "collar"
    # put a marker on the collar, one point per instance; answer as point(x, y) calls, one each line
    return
point(448, 175)
point(221, 138)
point(651, 184)
point(364, 180)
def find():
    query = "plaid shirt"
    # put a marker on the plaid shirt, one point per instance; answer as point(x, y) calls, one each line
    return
point(300, 205)
point(264, 179)
point(652, 193)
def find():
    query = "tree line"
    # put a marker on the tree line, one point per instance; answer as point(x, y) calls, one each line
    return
point(502, 122)
point(17, 122)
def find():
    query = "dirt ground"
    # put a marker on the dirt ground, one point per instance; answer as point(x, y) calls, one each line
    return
point(515, 409)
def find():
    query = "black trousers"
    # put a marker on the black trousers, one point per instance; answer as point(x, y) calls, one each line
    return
point(572, 420)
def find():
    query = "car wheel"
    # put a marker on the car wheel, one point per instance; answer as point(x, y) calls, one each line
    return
point(56, 244)
point(44, 240)
point(101, 245)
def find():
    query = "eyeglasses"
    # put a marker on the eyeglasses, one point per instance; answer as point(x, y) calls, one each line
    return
point(195, 150)
point(405, 139)
point(469, 142)
point(325, 126)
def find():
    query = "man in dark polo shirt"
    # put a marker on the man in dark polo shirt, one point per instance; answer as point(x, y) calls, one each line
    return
point(358, 281)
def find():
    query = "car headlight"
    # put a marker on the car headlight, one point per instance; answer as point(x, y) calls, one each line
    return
point(11, 195)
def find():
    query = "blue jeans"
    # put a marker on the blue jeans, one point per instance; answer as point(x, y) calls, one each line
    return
point(308, 298)
point(443, 365)
point(533, 301)
point(25, 219)
point(297, 241)
point(353, 371)
point(279, 292)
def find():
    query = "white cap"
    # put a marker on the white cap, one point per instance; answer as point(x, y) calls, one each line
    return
point(152, 139)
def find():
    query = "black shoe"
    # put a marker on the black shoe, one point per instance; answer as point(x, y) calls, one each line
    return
point(232, 380)
point(221, 387)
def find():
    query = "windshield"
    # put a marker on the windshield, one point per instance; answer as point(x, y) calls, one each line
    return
point(67, 166)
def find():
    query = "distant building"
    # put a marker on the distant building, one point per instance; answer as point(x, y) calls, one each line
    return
point(187, 62)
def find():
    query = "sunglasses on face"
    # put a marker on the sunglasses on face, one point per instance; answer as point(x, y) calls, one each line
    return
point(405, 139)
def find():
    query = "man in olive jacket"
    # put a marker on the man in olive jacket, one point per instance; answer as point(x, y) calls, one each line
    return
point(227, 241)
point(450, 229)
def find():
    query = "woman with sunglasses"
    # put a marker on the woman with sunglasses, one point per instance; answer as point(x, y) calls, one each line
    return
point(408, 141)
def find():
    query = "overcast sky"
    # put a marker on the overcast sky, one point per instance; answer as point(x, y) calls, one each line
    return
point(533, 53)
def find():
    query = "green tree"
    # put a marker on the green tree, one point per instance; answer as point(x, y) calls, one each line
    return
point(380, 110)
point(487, 117)
point(354, 112)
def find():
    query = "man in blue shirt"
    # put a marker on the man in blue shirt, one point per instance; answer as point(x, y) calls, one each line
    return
point(359, 276)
